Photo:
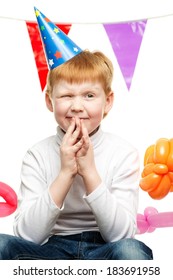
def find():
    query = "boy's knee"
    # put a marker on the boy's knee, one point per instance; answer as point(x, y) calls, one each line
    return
point(5, 245)
point(132, 249)
point(4, 240)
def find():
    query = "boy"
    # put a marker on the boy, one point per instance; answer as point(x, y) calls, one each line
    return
point(79, 189)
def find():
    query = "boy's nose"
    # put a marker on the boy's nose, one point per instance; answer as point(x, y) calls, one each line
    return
point(77, 105)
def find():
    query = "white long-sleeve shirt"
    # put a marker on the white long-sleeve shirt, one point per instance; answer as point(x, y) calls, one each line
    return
point(111, 208)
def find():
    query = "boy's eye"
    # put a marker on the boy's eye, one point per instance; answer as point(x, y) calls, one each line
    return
point(66, 96)
point(89, 95)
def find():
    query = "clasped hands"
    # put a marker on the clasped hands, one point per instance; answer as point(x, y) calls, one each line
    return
point(77, 157)
point(76, 150)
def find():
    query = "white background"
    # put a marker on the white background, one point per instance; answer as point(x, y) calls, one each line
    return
point(141, 115)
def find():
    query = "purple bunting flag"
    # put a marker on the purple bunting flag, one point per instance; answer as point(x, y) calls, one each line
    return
point(126, 39)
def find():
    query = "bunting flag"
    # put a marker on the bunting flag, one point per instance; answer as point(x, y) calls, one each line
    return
point(125, 40)
point(38, 51)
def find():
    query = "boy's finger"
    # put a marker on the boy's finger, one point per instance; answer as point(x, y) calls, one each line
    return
point(78, 146)
point(69, 130)
point(84, 129)
point(84, 147)
point(77, 129)
point(73, 132)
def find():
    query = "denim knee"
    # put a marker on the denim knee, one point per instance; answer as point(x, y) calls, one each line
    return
point(131, 249)
point(4, 245)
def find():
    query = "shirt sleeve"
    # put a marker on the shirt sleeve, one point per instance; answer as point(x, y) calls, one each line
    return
point(37, 213)
point(115, 206)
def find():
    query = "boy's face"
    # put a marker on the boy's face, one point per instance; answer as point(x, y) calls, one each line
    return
point(85, 101)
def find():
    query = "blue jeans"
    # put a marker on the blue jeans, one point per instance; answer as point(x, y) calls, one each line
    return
point(84, 246)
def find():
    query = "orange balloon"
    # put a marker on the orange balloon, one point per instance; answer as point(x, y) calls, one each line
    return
point(148, 158)
point(150, 182)
point(171, 176)
point(170, 156)
point(171, 188)
point(148, 168)
point(160, 168)
point(157, 175)
point(161, 150)
point(162, 189)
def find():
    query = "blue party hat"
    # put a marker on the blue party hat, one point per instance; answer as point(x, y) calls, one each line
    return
point(58, 47)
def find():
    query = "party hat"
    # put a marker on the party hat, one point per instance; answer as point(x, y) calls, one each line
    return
point(58, 47)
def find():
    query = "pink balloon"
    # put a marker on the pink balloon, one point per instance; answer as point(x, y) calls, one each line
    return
point(152, 219)
point(10, 197)
point(161, 220)
point(148, 212)
point(142, 224)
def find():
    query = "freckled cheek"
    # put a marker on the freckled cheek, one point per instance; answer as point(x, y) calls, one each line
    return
point(60, 112)
point(61, 108)
point(94, 121)
point(97, 113)
point(95, 118)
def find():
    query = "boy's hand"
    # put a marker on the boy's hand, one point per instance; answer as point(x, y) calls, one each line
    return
point(86, 163)
point(85, 156)
point(69, 147)
point(77, 155)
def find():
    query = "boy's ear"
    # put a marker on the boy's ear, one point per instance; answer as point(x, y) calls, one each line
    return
point(109, 102)
point(48, 102)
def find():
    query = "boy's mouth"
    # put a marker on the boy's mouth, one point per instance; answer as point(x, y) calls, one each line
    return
point(81, 118)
